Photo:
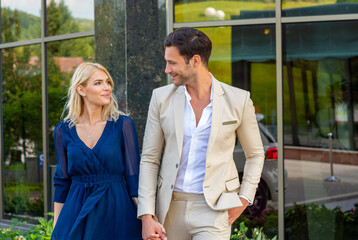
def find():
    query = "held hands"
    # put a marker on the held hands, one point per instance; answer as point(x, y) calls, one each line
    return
point(234, 213)
point(152, 229)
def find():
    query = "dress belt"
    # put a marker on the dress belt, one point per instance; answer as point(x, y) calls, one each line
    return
point(96, 179)
point(89, 181)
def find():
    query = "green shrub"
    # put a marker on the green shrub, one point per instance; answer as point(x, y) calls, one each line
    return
point(309, 221)
point(241, 233)
point(41, 231)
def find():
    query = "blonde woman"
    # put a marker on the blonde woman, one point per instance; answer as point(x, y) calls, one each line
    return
point(97, 163)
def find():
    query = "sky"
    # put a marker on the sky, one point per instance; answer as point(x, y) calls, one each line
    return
point(78, 8)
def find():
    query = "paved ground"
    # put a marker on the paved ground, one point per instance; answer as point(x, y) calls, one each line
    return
point(306, 184)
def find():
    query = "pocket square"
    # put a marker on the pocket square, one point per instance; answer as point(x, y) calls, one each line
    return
point(230, 122)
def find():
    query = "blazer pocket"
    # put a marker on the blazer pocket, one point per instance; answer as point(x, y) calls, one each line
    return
point(229, 122)
point(232, 184)
point(160, 182)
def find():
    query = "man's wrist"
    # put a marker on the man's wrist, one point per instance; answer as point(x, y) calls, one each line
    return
point(146, 217)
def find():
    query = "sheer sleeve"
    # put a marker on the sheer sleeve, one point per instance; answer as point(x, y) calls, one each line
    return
point(62, 180)
point(131, 156)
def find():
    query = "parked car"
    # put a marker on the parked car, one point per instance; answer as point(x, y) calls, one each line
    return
point(268, 186)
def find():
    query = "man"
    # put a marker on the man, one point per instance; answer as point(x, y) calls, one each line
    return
point(188, 178)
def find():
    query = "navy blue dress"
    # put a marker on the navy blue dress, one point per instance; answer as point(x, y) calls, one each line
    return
point(96, 185)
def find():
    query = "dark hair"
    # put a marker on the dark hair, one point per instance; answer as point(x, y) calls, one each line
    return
point(189, 42)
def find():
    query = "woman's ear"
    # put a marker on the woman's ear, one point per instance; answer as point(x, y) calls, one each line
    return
point(80, 91)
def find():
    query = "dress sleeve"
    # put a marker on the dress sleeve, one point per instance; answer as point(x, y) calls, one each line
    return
point(131, 156)
point(62, 180)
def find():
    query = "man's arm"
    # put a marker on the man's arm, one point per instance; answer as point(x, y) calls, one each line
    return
point(249, 136)
point(250, 140)
point(149, 167)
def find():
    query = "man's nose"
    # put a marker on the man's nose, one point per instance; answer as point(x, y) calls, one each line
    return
point(167, 69)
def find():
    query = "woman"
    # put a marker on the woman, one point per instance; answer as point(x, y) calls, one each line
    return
point(97, 163)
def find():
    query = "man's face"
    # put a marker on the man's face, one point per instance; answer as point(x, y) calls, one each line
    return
point(180, 71)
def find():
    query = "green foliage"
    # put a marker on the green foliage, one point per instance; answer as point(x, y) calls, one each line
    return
point(313, 222)
point(41, 231)
point(310, 221)
point(257, 233)
point(268, 223)
point(18, 201)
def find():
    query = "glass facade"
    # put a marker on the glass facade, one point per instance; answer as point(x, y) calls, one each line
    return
point(316, 8)
point(19, 20)
point(209, 10)
point(23, 76)
point(306, 98)
point(319, 107)
point(21, 94)
point(312, 188)
point(66, 16)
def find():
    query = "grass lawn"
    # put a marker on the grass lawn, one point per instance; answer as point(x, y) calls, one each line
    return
point(194, 11)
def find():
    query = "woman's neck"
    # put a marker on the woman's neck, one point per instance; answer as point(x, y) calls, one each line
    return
point(91, 117)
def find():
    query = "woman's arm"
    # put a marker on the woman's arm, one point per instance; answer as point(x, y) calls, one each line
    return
point(57, 210)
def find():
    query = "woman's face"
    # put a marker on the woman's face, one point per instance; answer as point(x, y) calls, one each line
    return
point(98, 90)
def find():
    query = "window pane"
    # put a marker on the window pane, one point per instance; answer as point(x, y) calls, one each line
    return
point(292, 8)
point(66, 16)
point(244, 57)
point(20, 20)
point(320, 97)
point(63, 58)
point(209, 10)
point(22, 113)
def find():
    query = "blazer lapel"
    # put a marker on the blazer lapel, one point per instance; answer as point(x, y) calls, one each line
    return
point(217, 110)
point(179, 110)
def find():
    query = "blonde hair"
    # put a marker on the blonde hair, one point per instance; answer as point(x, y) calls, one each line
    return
point(75, 104)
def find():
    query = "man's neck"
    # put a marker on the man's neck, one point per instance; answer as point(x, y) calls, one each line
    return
point(201, 88)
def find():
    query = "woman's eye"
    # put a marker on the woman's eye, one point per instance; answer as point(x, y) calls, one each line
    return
point(97, 83)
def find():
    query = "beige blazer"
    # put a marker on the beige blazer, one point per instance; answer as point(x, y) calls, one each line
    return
point(233, 114)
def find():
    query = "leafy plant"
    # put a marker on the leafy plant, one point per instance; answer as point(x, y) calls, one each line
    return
point(257, 234)
point(42, 231)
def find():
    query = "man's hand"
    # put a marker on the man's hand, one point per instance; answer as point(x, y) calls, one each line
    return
point(234, 213)
point(151, 229)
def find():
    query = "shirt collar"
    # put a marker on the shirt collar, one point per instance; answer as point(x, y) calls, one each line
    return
point(187, 95)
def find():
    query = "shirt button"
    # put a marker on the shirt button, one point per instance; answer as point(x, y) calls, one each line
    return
point(171, 186)
point(176, 165)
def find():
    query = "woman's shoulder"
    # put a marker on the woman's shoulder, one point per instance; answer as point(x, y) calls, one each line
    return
point(123, 121)
point(61, 126)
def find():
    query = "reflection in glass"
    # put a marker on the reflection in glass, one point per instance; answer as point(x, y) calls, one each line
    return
point(244, 57)
point(22, 114)
point(20, 20)
point(209, 10)
point(63, 58)
point(320, 96)
point(291, 8)
point(66, 16)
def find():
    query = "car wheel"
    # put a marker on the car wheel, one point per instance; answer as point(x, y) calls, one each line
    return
point(260, 201)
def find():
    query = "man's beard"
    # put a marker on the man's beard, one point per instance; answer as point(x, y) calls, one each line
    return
point(183, 79)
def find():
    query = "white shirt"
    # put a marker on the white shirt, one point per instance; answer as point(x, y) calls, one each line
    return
point(191, 170)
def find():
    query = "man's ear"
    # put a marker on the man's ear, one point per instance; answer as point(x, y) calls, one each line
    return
point(196, 60)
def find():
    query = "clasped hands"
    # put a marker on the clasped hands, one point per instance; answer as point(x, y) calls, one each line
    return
point(152, 229)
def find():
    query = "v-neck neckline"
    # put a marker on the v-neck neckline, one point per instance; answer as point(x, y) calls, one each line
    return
point(98, 143)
